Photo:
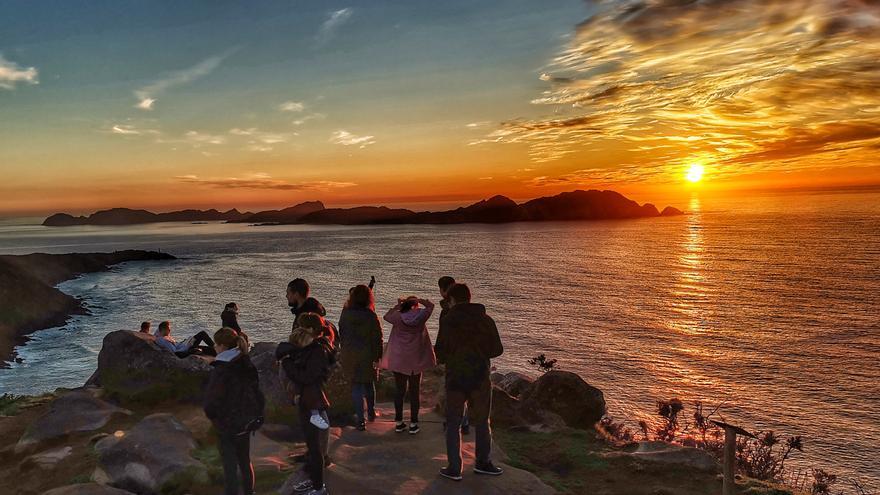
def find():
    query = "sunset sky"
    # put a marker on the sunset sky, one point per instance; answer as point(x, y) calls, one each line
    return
point(171, 104)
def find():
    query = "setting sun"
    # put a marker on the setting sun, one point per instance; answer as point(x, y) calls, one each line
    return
point(695, 173)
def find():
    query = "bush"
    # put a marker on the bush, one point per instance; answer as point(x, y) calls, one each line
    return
point(542, 363)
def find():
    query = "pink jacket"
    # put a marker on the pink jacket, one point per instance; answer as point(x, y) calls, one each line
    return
point(409, 345)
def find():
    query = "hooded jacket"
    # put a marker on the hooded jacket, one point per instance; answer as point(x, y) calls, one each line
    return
point(307, 362)
point(409, 345)
point(466, 341)
point(229, 319)
point(360, 337)
point(233, 398)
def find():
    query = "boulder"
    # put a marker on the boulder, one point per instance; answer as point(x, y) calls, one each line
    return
point(514, 383)
point(566, 394)
point(74, 412)
point(668, 453)
point(133, 369)
point(277, 400)
point(46, 460)
point(505, 409)
point(153, 457)
point(86, 489)
point(278, 406)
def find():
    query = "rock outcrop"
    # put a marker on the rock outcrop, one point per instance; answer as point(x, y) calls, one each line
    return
point(567, 395)
point(514, 383)
point(75, 412)
point(87, 489)
point(153, 457)
point(29, 300)
point(133, 369)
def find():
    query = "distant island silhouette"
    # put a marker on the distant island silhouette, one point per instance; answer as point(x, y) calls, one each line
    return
point(574, 205)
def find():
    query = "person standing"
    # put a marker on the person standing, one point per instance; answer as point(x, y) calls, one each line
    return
point(444, 283)
point(307, 361)
point(300, 301)
point(360, 335)
point(466, 342)
point(409, 354)
point(235, 406)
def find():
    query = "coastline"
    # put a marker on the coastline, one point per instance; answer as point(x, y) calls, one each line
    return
point(29, 299)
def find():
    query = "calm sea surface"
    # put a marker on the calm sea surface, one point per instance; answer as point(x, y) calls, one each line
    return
point(770, 305)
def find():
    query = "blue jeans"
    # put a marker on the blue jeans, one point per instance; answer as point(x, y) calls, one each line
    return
point(361, 392)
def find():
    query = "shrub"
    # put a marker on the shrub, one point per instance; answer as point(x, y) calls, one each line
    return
point(542, 363)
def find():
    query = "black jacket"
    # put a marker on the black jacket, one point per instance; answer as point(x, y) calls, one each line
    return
point(466, 341)
point(308, 368)
point(233, 398)
point(310, 305)
point(230, 320)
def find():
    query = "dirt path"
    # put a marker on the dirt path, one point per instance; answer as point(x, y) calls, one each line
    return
point(382, 461)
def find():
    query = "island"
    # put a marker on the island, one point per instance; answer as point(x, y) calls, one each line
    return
point(29, 300)
point(575, 205)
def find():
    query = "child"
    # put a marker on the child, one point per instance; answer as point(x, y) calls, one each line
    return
point(234, 404)
point(306, 359)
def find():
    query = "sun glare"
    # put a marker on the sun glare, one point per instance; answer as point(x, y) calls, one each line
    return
point(695, 173)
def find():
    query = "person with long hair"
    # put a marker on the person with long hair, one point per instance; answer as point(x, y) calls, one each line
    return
point(360, 335)
point(307, 359)
point(409, 354)
point(235, 405)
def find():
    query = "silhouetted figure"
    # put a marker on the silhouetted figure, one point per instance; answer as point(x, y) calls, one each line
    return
point(360, 336)
point(146, 327)
point(229, 319)
point(307, 360)
point(444, 283)
point(466, 342)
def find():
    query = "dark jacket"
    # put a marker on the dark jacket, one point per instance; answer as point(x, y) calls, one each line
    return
point(466, 341)
point(233, 398)
point(308, 368)
point(444, 307)
point(360, 337)
point(310, 305)
point(230, 320)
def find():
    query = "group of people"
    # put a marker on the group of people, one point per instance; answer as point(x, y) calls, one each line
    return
point(467, 340)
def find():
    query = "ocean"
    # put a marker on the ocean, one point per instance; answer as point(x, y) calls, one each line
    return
point(768, 305)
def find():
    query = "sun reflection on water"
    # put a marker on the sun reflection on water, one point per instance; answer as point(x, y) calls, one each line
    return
point(690, 293)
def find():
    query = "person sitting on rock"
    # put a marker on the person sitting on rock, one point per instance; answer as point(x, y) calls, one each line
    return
point(466, 341)
point(186, 348)
point(235, 405)
point(307, 359)
point(146, 327)
point(229, 319)
point(409, 354)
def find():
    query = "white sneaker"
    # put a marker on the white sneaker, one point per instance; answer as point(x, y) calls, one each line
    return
point(319, 421)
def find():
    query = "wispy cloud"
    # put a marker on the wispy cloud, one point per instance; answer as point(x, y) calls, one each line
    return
point(258, 140)
point(346, 138)
point(742, 85)
point(292, 106)
point(131, 130)
point(261, 181)
point(303, 120)
point(197, 138)
point(148, 95)
point(334, 20)
point(12, 74)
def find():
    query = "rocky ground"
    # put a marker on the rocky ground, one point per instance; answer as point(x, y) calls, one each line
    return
point(128, 432)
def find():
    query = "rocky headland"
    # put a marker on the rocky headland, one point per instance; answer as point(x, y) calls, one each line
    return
point(29, 300)
point(575, 205)
point(136, 427)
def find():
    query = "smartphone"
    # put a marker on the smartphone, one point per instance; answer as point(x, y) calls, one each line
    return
point(372, 282)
